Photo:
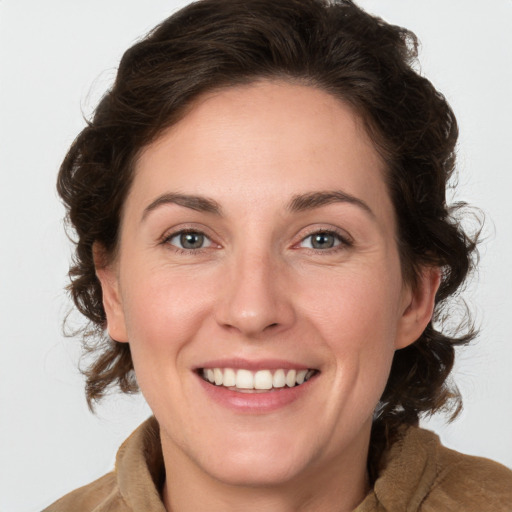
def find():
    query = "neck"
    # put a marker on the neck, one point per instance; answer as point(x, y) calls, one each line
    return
point(336, 486)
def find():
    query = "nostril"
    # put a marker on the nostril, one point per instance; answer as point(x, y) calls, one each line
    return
point(272, 327)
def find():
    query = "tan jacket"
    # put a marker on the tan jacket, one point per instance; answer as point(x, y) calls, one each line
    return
point(419, 475)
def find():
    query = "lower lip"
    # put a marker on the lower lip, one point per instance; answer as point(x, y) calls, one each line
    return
point(255, 402)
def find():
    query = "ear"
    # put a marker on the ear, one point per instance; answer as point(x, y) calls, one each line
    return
point(107, 274)
point(418, 307)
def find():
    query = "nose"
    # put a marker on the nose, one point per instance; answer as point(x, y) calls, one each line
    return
point(256, 300)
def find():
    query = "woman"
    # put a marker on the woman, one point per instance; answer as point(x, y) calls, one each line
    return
point(263, 233)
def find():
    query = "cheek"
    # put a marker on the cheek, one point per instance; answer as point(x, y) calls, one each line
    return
point(357, 318)
point(163, 316)
point(359, 309)
point(163, 311)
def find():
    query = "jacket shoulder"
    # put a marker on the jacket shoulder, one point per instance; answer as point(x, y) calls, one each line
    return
point(98, 496)
point(472, 484)
point(420, 474)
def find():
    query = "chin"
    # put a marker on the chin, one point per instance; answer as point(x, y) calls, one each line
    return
point(260, 460)
point(261, 470)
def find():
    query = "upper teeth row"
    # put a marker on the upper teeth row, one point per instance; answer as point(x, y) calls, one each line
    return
point(262, 379)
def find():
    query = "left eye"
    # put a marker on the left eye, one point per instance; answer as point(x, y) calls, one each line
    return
point(190, 240)
point(322, 240)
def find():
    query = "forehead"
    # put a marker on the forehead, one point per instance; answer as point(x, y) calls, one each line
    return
point(260, 142)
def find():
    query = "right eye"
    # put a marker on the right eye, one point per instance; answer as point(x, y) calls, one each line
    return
point(189, 240)
point(322, 240)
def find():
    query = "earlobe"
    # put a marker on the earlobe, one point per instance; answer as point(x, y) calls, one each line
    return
point(419, 307)
point(112, 303)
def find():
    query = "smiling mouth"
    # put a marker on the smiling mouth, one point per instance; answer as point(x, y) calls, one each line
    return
point(247, 381)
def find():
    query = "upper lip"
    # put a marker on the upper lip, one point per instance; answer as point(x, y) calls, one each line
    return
point(253, 365)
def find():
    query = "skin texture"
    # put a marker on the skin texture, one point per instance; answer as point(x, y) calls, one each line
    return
point(257, 290)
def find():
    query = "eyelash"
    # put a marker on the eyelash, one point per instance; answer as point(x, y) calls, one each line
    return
point(341, 241)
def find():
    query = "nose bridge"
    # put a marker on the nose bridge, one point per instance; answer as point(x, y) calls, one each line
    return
point(255, 299)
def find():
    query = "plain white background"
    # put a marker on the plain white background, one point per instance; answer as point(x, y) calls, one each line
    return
point(56, 59)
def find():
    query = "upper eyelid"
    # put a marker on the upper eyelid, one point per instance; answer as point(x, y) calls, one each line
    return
point(342, 242)
point(174, 234)
point(342, 234)
point(211, 243)
point(177, 230)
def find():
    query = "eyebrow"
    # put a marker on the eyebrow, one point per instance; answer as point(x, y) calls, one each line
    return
point(299, 203)
point(198, 203)
point(313, 200)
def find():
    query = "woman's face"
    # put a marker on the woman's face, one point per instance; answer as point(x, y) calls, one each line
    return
point(258, 248)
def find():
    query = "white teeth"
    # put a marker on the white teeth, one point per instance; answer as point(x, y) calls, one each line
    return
point(300, 376)
point(260, 380)
point(279, 379)
point(229, 378)
point(290, 378)
point(263, 380)
point(217, 374)
point(244, 379)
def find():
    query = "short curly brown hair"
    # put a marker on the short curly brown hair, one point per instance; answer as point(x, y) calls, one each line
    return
point(331, 45)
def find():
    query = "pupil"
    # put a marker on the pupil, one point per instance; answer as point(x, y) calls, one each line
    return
point(191, 240)
point(322, 241)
